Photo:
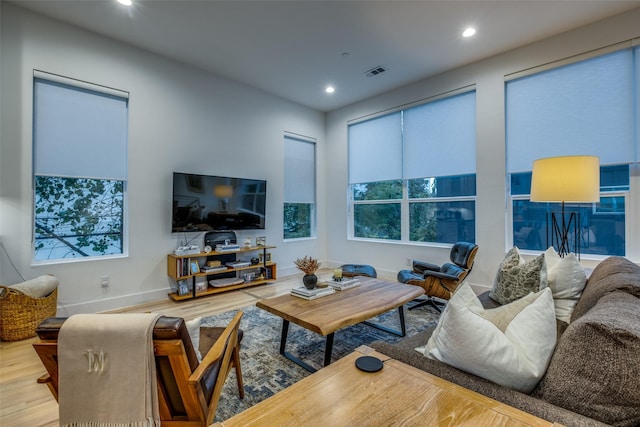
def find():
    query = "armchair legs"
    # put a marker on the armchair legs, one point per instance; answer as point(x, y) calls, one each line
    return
point(428, 301)
point(236, 363)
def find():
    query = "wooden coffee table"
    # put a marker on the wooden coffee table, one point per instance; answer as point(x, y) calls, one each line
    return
point(399, 394)
point(326, 315)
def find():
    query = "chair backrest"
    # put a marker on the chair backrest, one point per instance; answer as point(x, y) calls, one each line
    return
point(187, 390)
point(463, 254)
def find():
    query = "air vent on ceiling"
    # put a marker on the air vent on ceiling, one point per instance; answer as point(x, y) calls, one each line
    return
point(376, 71)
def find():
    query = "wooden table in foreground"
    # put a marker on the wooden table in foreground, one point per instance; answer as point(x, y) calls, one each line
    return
point(399, 394)
point(326, 315)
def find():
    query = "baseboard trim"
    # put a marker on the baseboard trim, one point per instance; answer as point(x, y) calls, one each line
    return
point(98, 306)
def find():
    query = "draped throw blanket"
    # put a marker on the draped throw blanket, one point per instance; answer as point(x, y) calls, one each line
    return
point(107, 371)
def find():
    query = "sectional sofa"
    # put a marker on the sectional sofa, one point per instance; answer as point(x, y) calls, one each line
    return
point(593, 377)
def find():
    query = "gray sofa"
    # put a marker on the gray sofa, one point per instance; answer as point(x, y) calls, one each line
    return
point(593, 378)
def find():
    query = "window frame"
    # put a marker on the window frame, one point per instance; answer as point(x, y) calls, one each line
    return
point(313, 229)
point(124, 212)
point(631, 196)
point(405, 201)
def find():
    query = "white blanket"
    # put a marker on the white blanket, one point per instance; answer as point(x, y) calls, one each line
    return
point(107, 372)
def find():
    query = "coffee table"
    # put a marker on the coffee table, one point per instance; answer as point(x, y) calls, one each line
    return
point(326, 315)
point(399, 394)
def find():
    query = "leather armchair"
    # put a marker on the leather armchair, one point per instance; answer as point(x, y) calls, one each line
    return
point(188, 390)
point(441, 281)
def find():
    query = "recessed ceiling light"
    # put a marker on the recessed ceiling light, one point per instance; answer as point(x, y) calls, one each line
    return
point(329, 89)
point(469, 32)
point(125, 2)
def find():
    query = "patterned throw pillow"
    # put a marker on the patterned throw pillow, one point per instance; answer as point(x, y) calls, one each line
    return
point(516, 277)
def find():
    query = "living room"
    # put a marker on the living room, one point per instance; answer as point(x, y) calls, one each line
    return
point(193, 114)
point(183, 118)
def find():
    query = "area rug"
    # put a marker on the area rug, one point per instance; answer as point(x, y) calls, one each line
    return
point(265, 371)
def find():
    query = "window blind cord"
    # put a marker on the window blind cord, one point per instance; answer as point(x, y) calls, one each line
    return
point(11, 261)
point(192, 239)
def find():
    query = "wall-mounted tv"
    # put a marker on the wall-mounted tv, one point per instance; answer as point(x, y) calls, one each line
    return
point(203, 202)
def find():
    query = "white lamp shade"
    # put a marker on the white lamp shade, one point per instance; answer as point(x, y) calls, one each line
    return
point(566, 179)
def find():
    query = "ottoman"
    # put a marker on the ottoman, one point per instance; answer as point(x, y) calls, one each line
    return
point(350, 270)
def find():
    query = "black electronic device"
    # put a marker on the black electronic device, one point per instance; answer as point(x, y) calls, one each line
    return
point(215, 238)
point(369, 364)
point(204, 202)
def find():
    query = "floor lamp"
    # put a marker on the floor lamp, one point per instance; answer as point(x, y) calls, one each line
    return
point(573, 179)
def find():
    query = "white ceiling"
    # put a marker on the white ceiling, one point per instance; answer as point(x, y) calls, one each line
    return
point(293, 49)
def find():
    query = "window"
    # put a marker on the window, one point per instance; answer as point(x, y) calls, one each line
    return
point(80, 162)
point(442, 209)
point(400, 189)
point(299, 188)
point(602, 224)
point(584, 108)
point(377, 209)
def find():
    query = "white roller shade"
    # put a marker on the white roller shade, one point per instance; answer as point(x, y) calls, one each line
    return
point(440, 137)
point(585, 108)
point(375, 149)
point(78, 132)
point(299, 171)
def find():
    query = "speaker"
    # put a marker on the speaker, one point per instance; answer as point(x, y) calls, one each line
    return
point(213, 238)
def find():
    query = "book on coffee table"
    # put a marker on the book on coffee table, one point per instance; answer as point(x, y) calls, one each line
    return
point(310, 294)
point(341, 285)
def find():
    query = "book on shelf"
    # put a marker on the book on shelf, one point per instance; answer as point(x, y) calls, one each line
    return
point(227, 248)
point(182, 267)
point(340, 285)
point(238, 264)
point(310, 294)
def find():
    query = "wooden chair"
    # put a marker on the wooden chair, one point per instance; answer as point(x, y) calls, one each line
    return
point(441, 281)
point(188, 391)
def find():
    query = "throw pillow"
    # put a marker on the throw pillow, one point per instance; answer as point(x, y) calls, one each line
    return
point(509, 345)
point(39, 287)
point(595, 370)
point(516, 277)
point(566, 279)
point(193, 326)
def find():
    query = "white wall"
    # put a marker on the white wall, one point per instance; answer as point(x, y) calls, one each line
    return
point(488, 77)
point(180, 119)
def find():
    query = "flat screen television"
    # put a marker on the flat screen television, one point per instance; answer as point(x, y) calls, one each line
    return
point(203, 202)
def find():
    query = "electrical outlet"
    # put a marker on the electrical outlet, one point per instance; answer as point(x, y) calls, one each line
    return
point(409, 262)
point(104, 281)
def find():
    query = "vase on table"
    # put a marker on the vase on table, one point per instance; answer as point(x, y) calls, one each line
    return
point(310, 281)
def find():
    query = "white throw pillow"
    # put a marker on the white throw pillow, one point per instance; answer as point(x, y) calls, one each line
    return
point(193, 326)
point(510, 345)
point(39, 287)
point(566, 279)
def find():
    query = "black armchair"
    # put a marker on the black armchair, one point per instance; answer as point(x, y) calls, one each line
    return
point(441, 281)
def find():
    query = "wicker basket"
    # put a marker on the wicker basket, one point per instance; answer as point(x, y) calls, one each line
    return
point(20, 314)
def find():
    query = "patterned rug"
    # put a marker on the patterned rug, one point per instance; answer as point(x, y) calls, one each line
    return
point(265, 371)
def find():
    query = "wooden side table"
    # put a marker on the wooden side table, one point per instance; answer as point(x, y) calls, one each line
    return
point(399, 394)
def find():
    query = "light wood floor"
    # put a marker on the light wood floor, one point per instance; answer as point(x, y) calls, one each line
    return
point(24, 403)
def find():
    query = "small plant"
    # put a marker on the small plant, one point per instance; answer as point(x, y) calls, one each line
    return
point(307, 264)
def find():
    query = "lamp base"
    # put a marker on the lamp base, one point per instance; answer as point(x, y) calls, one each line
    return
point(564, 233)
